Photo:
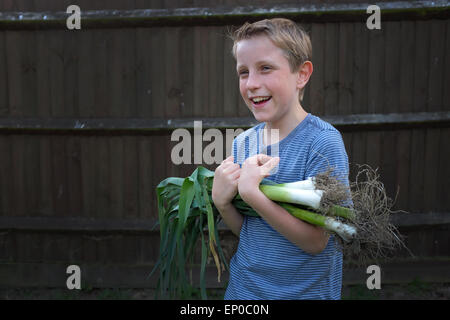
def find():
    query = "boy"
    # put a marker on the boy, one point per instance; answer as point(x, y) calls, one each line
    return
point(278, 256)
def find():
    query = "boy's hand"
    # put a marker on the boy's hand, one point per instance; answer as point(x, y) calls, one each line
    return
point(254, 169)
point(225, 182)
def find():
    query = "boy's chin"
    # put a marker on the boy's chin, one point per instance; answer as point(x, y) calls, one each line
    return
point(261, 117)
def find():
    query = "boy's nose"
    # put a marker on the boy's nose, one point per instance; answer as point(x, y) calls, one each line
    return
point(253, 82)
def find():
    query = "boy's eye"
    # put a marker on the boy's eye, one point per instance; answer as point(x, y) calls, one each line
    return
point(265, 68)
point(242, 73)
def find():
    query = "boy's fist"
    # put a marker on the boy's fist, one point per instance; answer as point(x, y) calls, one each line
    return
point(254, 169)
point(225, 183)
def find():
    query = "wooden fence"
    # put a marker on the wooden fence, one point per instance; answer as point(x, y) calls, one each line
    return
point(86, 118)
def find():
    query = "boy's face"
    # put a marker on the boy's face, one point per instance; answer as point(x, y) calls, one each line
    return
point(266, 83)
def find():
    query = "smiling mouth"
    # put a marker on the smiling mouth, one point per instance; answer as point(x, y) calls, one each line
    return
point(260, 100)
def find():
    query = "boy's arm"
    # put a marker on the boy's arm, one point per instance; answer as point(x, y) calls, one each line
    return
point(224, 189)
point(232, 218)
point(309, 238)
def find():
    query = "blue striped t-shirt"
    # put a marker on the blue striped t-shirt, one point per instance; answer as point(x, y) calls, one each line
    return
point(266, 264)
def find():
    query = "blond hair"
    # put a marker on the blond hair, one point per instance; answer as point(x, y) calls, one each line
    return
point(291, 38)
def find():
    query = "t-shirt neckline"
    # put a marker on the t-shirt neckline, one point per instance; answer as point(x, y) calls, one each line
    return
point(288, 137)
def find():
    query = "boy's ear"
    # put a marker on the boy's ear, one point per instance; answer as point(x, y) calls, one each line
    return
point(304, 73)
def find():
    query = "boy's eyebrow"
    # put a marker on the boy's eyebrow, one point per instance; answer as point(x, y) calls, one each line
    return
point(264, 62)
point(239, 67)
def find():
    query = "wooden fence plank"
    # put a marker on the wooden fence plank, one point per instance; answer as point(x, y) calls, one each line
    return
point(71, 42)
point(373, 149)
point(436, 65)
point(147, 4)
point(116, 175)
point(89, 175)
point(31, 175)
point(59, 175)
point(149, 249)
point(103, 175)
point(172, 169)
point(143, 78)
point(406, 66)
point(361, 69)
point(347, 137)
point(201, 94)
point(392, 74)
point(104, 73)
point(346, 57)
point(3, 76)
point(6, 174)
point(45, 188)
point(35, 247)
point(212, 75)
point(89, 249)
point(403, 154)
point(55, 247)
point(49, 5)
point(307, 94)
point(145, 189)
point(317, 78)
point(388, 162)
point(421, 66)
point(158, 61)
point(74, 175)
point(440, 242)
point(157, 172)
point(231, 81)
point(417, 170)
point(130, 187)
point(6, 247)
point(22, 247)
point(216, 73)
point(56, 72)
point(14, 46)
point(106, 253)
point(431, 169)
point(358, 152)
point(75, 250)
point(330, 90)
point(446, 76)
point(86, 75)
point(18, 176)
point(375, 68)
point(28, 73)
point(115, 46)
point(172, 72)
point(444, 170)
point(187, 61)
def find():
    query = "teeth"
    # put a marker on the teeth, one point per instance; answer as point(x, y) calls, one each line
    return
point(259, 99)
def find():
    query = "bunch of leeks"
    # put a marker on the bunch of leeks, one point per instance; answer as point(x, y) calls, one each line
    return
point(185, 210)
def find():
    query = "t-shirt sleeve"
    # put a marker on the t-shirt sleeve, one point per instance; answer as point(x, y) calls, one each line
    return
point(328, 151)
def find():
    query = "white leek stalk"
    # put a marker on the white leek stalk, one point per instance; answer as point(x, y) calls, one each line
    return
point(308, 184)
point(303, 192)
point(310, 198)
